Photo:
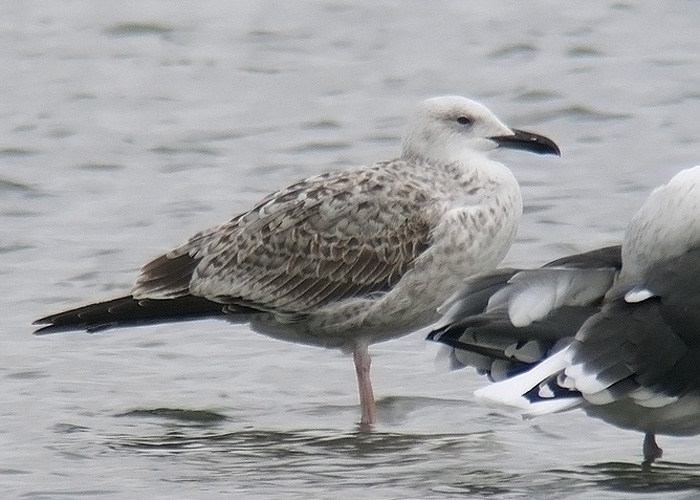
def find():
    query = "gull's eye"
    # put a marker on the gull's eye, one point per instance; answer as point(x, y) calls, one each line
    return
point(463, 120)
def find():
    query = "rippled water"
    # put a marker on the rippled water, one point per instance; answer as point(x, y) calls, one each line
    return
point(127, 126)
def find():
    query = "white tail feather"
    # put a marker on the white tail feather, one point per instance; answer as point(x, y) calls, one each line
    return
point(511, 392)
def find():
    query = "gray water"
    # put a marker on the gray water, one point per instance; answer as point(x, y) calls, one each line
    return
point(127, 126)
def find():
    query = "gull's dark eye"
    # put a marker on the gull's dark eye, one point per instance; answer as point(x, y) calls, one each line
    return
point(463, 120)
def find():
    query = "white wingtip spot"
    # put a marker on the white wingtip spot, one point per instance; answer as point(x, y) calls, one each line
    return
point(650, 399)
point(638, 295)
point(594, 390)
point(530, 352)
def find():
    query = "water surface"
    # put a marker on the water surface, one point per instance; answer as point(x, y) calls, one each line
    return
point(126, 127)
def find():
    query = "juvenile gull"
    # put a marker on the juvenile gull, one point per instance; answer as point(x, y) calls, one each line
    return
point(345, 259)
point(615, 332)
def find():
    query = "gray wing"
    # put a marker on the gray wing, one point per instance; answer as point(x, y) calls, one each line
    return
point(503, 322)
point(321, 240)
point(648, 350)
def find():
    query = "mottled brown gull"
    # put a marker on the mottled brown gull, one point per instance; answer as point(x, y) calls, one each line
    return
point(345, 259)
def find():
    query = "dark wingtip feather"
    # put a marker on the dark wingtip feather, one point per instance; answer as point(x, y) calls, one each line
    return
point(127, 311)
point(91, 317)
point(606, 257)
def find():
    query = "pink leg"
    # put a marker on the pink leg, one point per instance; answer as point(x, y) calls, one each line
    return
point(362, 363)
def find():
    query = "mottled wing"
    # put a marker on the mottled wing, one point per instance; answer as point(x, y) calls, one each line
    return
point(321, 240)
point(648, 350)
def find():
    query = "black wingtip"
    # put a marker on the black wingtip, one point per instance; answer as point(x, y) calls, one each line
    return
point(127, 311)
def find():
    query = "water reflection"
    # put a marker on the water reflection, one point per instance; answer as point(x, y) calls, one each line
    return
point(208, 446)
point(305, 457)
point(662, 476)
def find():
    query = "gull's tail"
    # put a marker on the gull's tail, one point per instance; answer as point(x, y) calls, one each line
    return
point(127, 311)
point(538, 391)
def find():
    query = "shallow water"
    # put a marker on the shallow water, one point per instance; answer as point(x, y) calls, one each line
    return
point(127, 127)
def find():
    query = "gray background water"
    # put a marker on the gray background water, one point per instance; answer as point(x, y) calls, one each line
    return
point(127, 126)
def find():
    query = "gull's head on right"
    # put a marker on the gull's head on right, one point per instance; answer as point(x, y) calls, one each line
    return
point(667, 225)
point(449, 128)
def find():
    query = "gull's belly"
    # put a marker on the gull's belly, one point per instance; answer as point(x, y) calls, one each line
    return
point(681, 418)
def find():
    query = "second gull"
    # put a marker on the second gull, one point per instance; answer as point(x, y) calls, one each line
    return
point(614, 331)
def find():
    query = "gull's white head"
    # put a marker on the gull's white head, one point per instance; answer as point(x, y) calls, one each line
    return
point(667, 224)
point(450, 128)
